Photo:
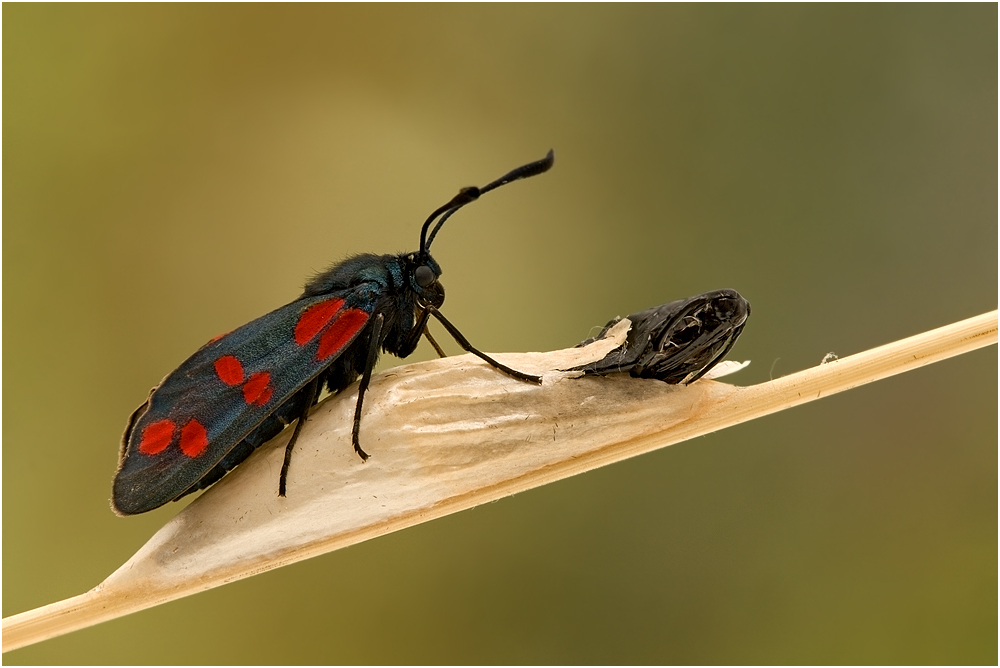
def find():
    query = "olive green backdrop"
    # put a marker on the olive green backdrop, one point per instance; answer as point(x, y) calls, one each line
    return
point(171, 172)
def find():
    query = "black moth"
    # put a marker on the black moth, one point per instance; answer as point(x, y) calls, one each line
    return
point(241, 389)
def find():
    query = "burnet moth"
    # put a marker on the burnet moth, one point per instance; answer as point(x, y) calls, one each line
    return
point(243, 388)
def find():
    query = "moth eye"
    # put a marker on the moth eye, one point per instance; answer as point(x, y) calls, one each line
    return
point(424, 276)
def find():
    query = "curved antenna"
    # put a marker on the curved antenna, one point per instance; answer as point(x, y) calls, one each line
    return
point(464, 196)
point(467, 195)
point(525, 171)
point(437, 227)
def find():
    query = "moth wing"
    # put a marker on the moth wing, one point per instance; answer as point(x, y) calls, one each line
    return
point(209, 404)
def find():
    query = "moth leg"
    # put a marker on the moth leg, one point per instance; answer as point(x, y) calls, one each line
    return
point(409, 343)
point(366, 377)
point(310, 390)
point(437, 348)
point(468, 347)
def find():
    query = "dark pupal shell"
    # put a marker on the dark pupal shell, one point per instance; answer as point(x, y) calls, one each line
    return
point(677, 342)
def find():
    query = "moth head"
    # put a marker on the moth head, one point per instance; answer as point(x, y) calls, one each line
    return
point(423, 274)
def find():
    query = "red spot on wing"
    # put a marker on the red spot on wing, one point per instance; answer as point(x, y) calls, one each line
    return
point(229, 370)
point(194, 438)
point(316, 318)
point(340, 332)
point(156, 437)
point(258, 390)
point(264, 397)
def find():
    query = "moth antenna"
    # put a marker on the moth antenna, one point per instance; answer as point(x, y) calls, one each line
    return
point(467, 195)
point(525, 171)
point(437, 227)
point(464, 196)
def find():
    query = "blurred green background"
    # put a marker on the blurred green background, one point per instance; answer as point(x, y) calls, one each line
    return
point(171, 172)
